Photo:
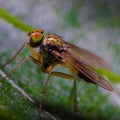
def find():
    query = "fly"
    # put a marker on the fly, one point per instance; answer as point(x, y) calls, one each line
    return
point(53, 51)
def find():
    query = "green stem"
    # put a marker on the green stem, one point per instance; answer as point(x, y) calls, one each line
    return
point(14, 21)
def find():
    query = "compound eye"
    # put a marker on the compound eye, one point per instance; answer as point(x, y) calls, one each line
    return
point(35, 38)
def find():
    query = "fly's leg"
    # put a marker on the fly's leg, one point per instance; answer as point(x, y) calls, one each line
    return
point(75, 100)
point(74, 84)
point(63, 75)
point(20, 64)
point(37, 59)
point(34, 53)
point(20, 49)
point(43, 93)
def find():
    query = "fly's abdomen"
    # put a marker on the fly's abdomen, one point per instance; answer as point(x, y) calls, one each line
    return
point(82, 76)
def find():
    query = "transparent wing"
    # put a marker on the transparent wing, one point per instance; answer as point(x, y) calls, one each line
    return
point(85, 71)
point(87, 56)
point(82, 61)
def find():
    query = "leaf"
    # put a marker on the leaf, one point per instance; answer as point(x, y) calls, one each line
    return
point(113, 77)
point(14, 21)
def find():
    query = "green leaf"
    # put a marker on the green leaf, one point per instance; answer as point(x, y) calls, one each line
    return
point(113, 77)
point(14, 21)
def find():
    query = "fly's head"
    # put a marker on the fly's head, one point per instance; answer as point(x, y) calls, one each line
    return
point(36, 37)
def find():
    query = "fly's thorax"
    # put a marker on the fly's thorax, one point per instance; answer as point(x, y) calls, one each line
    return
point(51, 43)
point(54, 42)
point(52, 39)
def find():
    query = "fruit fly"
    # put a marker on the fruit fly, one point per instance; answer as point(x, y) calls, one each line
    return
point(53, 51)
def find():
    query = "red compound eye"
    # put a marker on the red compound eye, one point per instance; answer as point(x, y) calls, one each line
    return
point(35, 37)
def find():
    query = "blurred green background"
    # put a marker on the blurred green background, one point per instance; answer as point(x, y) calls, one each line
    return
point(91, 24)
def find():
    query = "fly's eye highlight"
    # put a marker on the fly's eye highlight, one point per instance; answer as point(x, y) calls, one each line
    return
point(35, 37)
